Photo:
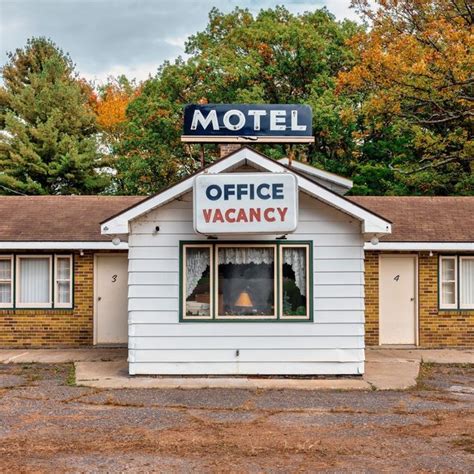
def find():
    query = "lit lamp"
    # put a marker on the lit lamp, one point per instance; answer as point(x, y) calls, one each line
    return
point(244, 300)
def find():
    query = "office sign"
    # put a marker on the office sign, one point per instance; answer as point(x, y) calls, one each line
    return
point(243, 123)
point(245, 203)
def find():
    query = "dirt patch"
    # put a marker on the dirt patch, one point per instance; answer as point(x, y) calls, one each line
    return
point(46, 424)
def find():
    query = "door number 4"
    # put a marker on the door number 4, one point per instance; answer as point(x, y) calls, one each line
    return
point(397, 278)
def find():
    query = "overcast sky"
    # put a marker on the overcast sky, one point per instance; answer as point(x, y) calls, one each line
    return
point(131, 37)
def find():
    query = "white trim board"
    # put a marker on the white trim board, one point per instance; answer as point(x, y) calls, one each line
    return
point(433, 246)
point(319, 173)
point(52, 245)
point(371, 223)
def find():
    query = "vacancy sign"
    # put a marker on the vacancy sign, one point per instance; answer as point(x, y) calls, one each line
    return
point(245, 203)
point(247, 123)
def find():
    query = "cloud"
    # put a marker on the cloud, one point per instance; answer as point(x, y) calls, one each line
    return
point(109, 37)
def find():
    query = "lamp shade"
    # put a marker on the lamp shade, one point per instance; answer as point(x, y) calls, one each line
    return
point(244, 300)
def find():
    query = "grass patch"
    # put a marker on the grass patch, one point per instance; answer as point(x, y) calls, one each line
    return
point(71, 376)
point(426, 369)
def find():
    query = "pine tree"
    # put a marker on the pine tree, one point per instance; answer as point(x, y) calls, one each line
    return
point(48, 138)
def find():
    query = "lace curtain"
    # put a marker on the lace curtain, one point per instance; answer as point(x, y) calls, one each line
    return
point(296, 258)
point(244, 255)
point(197, 260)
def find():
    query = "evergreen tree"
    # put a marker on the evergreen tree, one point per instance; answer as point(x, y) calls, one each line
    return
point(48, 138)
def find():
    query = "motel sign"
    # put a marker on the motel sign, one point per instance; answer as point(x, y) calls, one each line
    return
point(243, 123)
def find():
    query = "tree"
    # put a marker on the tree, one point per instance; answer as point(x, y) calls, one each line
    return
point(414, 72)
point(273, 57)
point(47, 143)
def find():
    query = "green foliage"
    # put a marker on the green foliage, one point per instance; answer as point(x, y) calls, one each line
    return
point(47, 144)
point(273, 57)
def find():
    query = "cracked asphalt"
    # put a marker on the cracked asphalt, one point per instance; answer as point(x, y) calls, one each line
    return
point(47, 424)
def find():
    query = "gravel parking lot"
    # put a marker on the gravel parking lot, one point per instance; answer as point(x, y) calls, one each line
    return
point(47, 424)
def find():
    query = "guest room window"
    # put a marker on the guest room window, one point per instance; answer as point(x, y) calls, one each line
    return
point(466, 282)
point(6, 281)
point(63, 281)
point(33, 281)
point(248, 281)
point(456, 282)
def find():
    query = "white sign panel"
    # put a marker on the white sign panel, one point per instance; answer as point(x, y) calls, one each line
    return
point(245, 203)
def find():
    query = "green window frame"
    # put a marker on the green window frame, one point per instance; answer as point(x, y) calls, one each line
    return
point(279, 247)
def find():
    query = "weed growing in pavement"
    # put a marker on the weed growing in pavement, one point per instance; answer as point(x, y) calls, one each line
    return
point(71, 376)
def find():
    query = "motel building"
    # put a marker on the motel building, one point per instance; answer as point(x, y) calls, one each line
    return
point(249, 266)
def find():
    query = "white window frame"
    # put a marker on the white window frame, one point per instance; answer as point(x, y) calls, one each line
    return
point(308, 279)
point(271, 317)
point(211, 280)
point(57, 304)
point(18, 303)
point(443, 305)
point(461, 305)
point(5, 280)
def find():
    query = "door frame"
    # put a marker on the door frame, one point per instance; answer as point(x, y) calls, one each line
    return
point(417, 299)
point(95, 290)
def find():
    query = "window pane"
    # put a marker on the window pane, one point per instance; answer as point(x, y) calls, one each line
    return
point(448, 293)
point(34, 280)
point(246, 281)
point(5, 269)
point(64, 292)
point(448, 269)
point(467, 282)
point(63, 268)
point(5, 293)
point(294, 281)
point(198, 284)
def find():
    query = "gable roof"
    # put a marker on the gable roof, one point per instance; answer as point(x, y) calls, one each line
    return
point(424, 219)
point(371, 222)
point(58, 218)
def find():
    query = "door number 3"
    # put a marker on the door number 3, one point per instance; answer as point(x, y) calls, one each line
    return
point(114, 278)
point(397, 278)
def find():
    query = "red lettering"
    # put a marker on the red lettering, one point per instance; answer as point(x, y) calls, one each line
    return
point(255, 214)
point(218, 216)
point(207, 215)
point(266, 214)
point(228, 216)
point(282, 211)
point(242, 217)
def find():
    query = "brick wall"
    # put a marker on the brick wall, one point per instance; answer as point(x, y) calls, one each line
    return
point(55, 327)
point(437, 328)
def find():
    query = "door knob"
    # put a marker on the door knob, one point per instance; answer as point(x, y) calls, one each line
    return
point(412, 299)
point(99, 298)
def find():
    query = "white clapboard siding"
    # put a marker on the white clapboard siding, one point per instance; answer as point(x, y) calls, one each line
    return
point(332, 344)
point(167, 317)
point(305, 227)
point(153, 278)
point(244, 343)
point(200, 329)
point(349, 367)
point(320, 240)
point(247, 355)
